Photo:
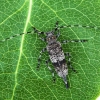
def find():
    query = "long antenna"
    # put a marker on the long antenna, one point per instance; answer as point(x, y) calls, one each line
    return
point(59, 27)
point(84, 26)
point(13, 36)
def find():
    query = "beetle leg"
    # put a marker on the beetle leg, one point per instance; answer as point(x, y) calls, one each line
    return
point(39, 58)
point(57, 29)
point(51, 70)
point(69, 61)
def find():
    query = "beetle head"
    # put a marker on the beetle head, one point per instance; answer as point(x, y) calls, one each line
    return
point(51, 38)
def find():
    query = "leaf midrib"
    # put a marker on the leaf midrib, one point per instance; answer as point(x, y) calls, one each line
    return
point(21, 46)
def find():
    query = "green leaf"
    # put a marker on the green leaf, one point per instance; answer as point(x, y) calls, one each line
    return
point(19, 79)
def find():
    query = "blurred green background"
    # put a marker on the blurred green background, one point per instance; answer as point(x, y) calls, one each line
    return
point(19, 79)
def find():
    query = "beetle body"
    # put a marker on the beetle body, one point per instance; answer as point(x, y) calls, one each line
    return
point(57, 56)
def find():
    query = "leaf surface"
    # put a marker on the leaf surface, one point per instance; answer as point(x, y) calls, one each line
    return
point(19, 79)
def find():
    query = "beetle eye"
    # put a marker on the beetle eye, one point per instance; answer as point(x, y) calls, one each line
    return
point(48, 39)
point(53, 37)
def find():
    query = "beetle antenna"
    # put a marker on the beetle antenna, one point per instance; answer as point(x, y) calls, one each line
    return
point(11, 37)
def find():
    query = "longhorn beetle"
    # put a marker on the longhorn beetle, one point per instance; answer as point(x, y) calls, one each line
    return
point(54, 48)
point(56, 54)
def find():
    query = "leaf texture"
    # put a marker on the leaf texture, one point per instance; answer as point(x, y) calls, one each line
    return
point(19, 79)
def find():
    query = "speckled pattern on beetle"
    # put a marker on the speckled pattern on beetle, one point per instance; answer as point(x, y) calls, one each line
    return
point(56, 54)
